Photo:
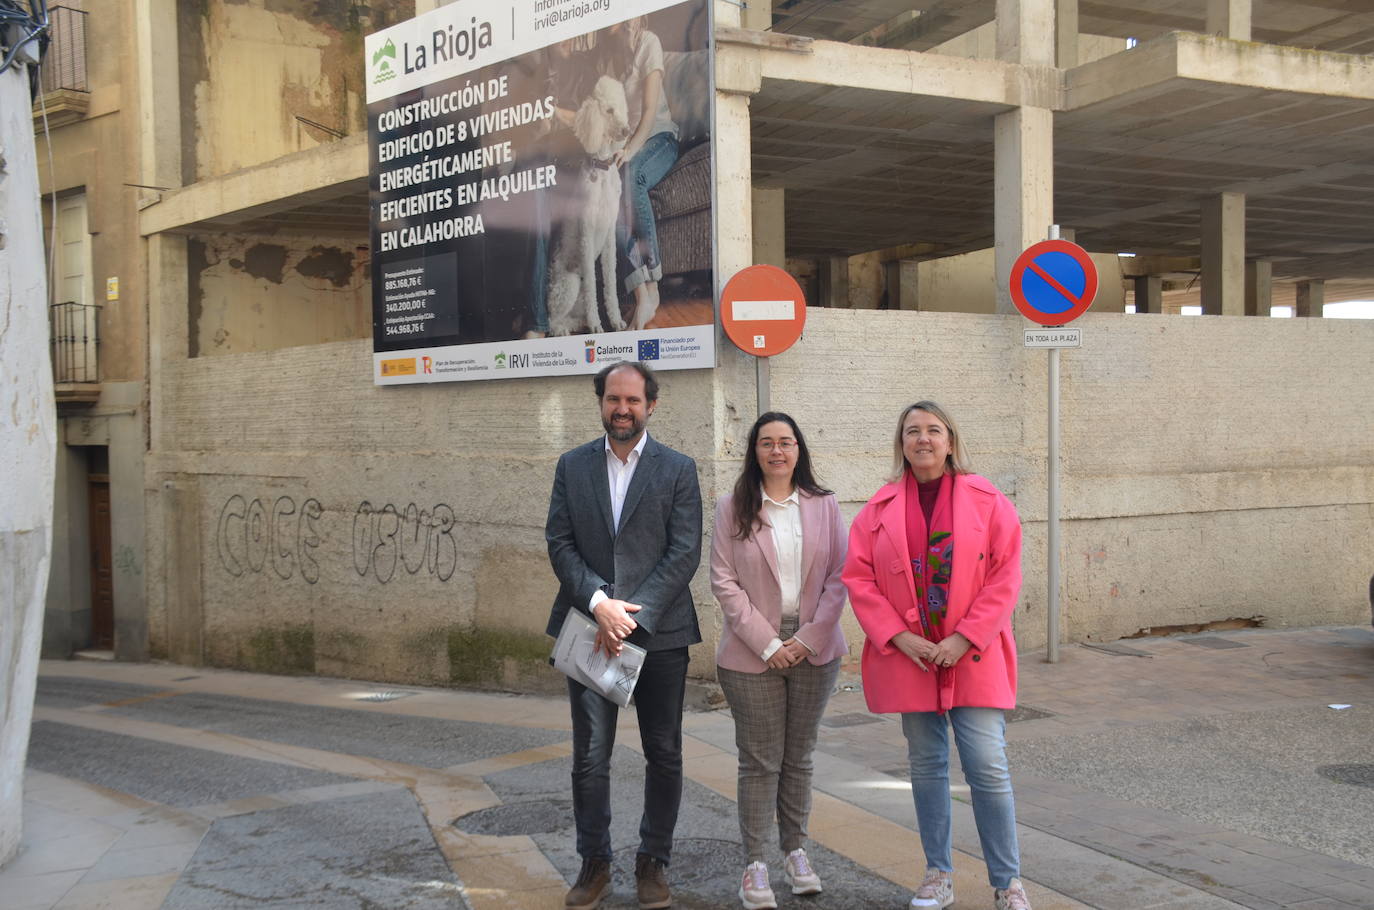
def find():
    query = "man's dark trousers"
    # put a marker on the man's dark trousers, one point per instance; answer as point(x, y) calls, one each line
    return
point(658, 703)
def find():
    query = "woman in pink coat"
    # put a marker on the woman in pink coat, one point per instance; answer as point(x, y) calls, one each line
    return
point(776, 558)
point(933, 573)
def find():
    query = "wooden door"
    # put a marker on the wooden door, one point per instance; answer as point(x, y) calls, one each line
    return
point(102, 564)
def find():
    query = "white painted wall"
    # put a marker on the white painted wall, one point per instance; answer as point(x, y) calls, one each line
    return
point(28, 443)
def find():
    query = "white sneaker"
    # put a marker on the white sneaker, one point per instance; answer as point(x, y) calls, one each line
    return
point(800, 875)
point(936, 891)
point(1012, 897)
point(755, 892)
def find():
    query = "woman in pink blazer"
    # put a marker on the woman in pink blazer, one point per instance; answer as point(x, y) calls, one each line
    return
point(933, 573)
point(776, 558)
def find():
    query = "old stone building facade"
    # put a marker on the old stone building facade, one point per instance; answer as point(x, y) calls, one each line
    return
point(270, 508)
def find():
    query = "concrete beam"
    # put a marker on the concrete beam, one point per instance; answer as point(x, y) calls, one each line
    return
point(1311, 298)
point(1229, 19)
point(277, 186)
point(1223, 255)
point(1023, 188)
point(1159, 63)
point(833, 63)
point(1259, 287)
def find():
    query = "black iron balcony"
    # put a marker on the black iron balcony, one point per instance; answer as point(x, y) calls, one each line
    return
point(75, 332)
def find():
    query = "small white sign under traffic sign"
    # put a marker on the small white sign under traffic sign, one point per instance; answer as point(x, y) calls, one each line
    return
point(1055, 337)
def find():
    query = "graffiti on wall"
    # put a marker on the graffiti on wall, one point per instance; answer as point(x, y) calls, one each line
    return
point(280, 538)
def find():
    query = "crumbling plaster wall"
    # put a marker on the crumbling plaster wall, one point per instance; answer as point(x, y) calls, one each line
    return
point(251, 67)
point(257, 293)
point(1212, 468)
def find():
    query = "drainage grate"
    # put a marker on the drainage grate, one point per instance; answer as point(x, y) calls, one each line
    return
point(1361, 775)
point(384, 696)
point(1214, 642)
point(850, 720)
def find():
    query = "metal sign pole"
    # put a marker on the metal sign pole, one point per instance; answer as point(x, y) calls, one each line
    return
point(761, 376)
point(1052, 537)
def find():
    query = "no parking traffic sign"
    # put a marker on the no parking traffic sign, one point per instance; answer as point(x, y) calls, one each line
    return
point(1053, 282)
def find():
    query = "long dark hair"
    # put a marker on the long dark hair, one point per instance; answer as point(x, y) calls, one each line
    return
point(748, 495)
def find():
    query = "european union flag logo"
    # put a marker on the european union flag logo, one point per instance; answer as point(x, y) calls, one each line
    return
point(648, 349)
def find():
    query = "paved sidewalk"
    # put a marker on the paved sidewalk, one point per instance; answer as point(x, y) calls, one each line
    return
point(1199, 772)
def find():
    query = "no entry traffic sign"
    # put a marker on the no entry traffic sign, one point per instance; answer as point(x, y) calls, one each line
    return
point(1053, 282)
point(762, 310)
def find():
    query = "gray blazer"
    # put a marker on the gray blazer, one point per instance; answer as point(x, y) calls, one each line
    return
point(649, 560)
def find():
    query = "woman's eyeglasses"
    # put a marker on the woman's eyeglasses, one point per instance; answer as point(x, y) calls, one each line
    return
point(785, 445)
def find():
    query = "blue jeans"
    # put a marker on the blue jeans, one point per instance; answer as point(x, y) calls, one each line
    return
point(980, 734)
point(636, 232)
point(658, 704)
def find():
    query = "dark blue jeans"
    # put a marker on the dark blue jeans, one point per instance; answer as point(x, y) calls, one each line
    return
point(658, 703)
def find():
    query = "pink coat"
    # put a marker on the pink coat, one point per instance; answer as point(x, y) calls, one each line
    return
point(983, 588)
point(744, 578)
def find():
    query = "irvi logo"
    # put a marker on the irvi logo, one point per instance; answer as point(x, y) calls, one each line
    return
point(501, 360)
point(381, 69)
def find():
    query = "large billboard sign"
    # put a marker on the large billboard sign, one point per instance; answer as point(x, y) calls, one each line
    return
point(541, 192)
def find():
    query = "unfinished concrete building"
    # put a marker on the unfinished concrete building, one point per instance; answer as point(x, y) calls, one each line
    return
point(896, 156)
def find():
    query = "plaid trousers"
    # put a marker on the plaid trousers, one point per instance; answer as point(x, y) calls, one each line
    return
point(777, 716)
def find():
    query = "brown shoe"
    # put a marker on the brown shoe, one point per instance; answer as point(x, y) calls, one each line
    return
point(651, 882)
point(592, 885)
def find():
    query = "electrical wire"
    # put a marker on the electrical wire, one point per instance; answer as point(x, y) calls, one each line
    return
point(32, 23)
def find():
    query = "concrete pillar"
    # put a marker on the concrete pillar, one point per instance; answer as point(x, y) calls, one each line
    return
point(1311, 298)
point(1026, 31)
point(28, 445)
point(1149, 294)
point(757, 14)
point(159, 93)
point(1066, 34)
point(892, 284)
point(1023, 188)
point(1259, 287)
point(770, 247)
point(1223, 255)
point(832, 274)
point(1229, 18)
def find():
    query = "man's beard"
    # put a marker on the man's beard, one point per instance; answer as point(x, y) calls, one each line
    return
point(623, 433)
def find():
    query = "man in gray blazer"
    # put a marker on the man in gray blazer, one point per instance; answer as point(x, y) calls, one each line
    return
point(624, 536)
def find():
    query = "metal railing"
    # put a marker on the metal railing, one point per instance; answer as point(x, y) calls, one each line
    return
point(75, 331)
point(64, 65)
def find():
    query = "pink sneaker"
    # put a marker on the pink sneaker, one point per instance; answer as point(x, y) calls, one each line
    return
point(936, 891)
point(1012, 897)
point(755, 893)
point(800, 874)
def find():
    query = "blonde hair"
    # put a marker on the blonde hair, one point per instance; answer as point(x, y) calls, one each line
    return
point(956, 462)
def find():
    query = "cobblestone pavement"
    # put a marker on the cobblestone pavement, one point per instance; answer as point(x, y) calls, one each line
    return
point(1206, 771)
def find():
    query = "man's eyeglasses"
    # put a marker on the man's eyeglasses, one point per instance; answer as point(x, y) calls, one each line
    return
point(785, 445)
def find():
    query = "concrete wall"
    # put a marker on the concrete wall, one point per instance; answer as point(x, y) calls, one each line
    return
point(249, 69)
point(303, 520)
point(1213, 467)
point(253, 293)
point(28, 442)
point(394, 533)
